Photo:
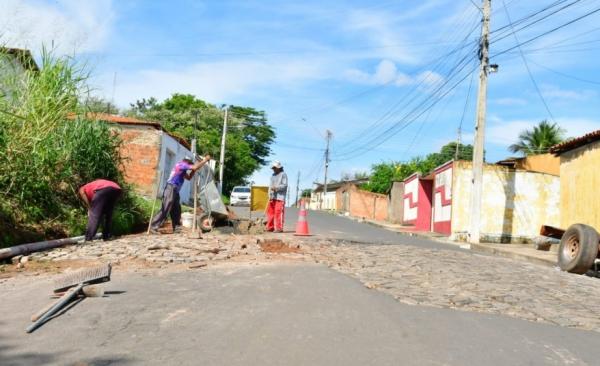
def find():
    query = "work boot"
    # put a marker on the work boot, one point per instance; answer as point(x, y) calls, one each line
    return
point(154, 231)
point(177, 230)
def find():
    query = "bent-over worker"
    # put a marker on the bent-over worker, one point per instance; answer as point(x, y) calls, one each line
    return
point(277, 192)
point(184, 170)
point(100, 197)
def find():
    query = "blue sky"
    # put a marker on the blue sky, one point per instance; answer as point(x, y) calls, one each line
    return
point(365, 70)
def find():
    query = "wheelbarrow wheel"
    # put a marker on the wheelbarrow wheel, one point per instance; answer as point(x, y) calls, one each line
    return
point(206, 223)
point(578, 249)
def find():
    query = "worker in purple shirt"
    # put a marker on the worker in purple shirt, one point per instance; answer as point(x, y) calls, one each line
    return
point(184, 170)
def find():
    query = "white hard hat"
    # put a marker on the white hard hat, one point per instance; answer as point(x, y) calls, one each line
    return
point(276, 164)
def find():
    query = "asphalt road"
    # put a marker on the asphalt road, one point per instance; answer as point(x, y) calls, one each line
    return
point(270, 315)
point(335, 226)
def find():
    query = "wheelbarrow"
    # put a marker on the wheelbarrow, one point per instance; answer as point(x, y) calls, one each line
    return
point(210, 201)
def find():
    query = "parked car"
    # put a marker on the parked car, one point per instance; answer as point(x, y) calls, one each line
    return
point(240, 196)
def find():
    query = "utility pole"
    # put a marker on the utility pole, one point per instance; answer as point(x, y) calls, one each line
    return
point(195, 185)
point(478, 148)
point(297, 188)
point(222, 159)
point(329, 135)
point(458, 141)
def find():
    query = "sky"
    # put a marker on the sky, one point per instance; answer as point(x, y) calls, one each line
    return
point(390, 79)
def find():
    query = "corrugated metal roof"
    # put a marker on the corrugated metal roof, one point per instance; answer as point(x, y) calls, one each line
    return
point(575, 143)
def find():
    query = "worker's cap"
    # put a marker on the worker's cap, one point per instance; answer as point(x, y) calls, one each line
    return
point(188, 158)
point(276, 164)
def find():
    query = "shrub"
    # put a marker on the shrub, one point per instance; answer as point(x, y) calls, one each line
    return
point(48, 149)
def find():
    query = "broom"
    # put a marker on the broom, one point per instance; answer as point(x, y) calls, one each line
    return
point(74, 284)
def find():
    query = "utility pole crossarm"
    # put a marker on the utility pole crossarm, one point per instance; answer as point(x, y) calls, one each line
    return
point(479, 143)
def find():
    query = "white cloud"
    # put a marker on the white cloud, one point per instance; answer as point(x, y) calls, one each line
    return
point(505, 133)
point(382, 31)
point(212, 81)
point(71, 25)
point(509, 102)
point(386, 72)
point(556, 92)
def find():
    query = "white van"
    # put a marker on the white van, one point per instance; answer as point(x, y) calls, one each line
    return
point(240, 196)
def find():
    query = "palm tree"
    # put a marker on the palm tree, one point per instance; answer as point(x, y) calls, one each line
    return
point(539, 140)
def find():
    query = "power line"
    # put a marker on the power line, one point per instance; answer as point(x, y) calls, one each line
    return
point(513, 31)
point(547, 32)
point(537, 89)
point(405, 101)
point(391, 131)
point(566, 75)
point(386, 135)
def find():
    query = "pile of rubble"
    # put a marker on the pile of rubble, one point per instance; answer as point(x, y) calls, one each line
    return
point(173, 249)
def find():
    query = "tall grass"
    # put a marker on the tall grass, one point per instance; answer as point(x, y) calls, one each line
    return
point(48, 148)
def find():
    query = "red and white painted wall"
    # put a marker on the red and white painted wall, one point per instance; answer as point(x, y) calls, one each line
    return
point(442, 198)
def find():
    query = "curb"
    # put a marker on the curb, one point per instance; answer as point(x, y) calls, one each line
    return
point(439, 239)
point(482, 248)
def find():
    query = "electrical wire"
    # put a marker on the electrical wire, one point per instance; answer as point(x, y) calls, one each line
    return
point(547, 32)
point(537, 89)
point(566, 75)
point(404, 102)
point(386, 135)
point(389, 132)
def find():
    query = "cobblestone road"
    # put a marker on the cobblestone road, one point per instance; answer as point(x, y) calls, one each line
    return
point(413, 275)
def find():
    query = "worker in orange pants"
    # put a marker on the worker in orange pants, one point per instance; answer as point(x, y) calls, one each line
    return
point(277, 192)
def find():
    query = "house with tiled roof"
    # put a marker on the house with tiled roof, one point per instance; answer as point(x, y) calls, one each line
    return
point(149, 153)
point(579, 180)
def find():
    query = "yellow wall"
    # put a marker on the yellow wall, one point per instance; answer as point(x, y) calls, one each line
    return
point(543, 163)
point(580, 186)
point(515, 202)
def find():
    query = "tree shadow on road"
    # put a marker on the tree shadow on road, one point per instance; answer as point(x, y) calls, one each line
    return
point(18, 352)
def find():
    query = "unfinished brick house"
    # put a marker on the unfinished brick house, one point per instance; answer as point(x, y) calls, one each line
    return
point(148, 150)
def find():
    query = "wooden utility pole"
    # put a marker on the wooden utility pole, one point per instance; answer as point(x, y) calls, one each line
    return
point(479, 144)
point(195, 185)
point(329, 135)
point(222, 159)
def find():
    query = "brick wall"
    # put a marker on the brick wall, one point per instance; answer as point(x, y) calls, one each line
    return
point(364, 204)
point(140, 150)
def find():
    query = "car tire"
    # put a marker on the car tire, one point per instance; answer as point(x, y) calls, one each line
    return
point(578, 249)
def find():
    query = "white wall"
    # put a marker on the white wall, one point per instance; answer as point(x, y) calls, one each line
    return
point(329, 201)
point(411, 187)
point(442, 213)
point(168, 143)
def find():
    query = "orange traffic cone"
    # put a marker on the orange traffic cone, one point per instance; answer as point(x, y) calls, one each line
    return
point(302, 225)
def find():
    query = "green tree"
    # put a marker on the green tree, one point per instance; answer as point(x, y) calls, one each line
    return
point(383, 174)
point(249, 135)
point(539, 139)
point(99, 105)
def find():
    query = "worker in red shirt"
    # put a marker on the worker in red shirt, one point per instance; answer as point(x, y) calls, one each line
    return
point(100, 197)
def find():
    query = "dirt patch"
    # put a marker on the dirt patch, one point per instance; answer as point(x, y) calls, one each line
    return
point(277, 246)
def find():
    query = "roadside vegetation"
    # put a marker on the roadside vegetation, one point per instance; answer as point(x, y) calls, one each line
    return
point(539, 139)
point(48, 149)
point(383, 174)
point(249, 135)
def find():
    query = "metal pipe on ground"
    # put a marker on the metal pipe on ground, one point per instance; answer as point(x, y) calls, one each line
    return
point(25, 249)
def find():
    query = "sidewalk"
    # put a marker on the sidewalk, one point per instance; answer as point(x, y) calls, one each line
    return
point(523, 252)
